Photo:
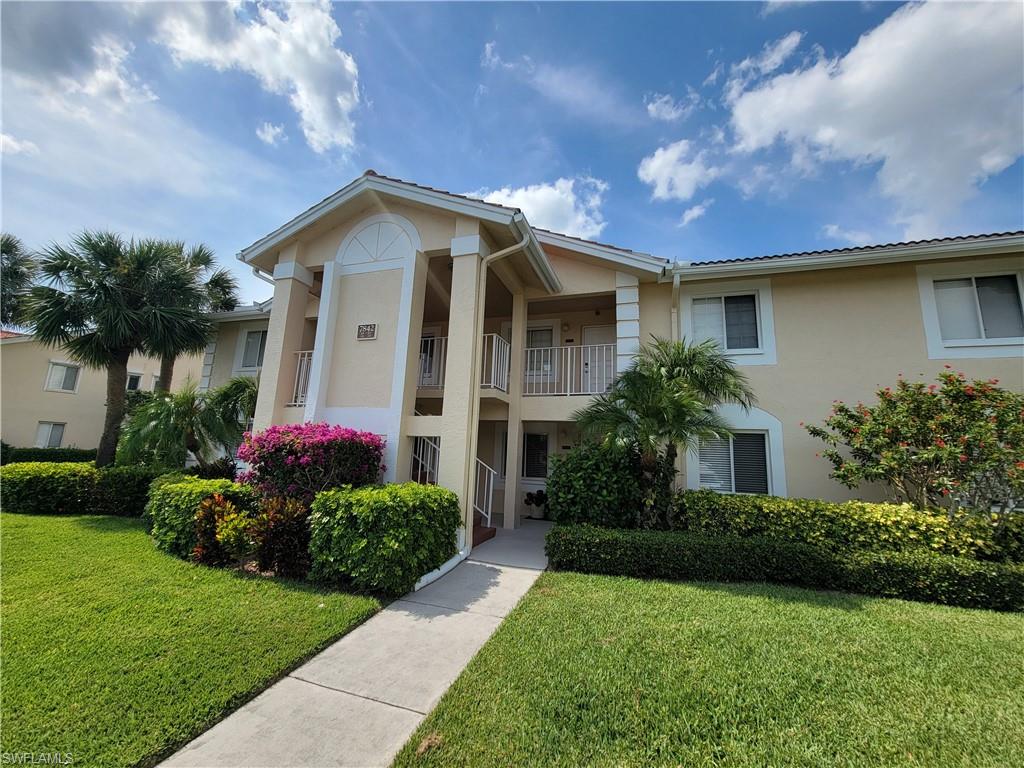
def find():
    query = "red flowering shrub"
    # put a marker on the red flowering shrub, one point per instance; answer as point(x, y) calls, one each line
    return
point(300, 460)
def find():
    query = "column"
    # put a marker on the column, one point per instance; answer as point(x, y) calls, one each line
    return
point(627, 320)
point(514, 445)
point(284, 338)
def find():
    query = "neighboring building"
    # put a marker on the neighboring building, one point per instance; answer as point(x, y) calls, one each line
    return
point(51, 402)
point(468, 338)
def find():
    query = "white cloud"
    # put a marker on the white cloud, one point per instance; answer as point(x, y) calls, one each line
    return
point(695, 212)
point(9, 145)
point(772, 56)
point(712, 77)
point(852, 236)
point(672, 175)
point(271, 134)
point(291, 52)
point(570, 206)
point(774, 6)
point(933, 95)
point(661, 106)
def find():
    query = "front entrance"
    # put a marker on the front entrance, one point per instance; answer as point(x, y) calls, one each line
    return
point(598, 359)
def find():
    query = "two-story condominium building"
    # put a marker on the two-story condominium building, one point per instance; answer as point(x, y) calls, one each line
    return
point(469, 338)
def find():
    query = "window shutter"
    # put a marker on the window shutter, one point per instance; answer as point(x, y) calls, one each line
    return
point(741, 322)
point(535, 455)
point(708, 322)
point(999, 298)
point(716, 465)
point(750, 462)
point(958, 314)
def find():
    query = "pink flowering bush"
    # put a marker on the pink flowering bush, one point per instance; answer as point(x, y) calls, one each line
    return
point(300, 460)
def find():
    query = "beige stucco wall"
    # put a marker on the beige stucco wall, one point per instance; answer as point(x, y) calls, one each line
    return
point(24, 402)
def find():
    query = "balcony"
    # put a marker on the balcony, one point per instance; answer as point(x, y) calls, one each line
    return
point(303, 367)
point(494, 370)
point(577, 370)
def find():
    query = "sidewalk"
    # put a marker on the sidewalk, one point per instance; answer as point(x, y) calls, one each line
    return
point(357, 702)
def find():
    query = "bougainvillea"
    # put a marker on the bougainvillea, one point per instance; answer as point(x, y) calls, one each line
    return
point(300, 460)
point(955, 443)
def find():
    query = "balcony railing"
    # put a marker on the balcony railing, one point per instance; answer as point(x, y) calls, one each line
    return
point(426, 458)
point(303, 367)
point(496, 357)
point(434, 355)
point(578, 370)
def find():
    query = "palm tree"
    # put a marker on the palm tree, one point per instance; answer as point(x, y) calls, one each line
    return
point(172, 426)
point(17, 269)
point(191, 283)
point(665, 401)
point(104, 302)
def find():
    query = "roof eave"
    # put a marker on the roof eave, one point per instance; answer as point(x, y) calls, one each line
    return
point(645, 262)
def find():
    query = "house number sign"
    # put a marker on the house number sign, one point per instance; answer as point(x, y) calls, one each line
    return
point(366, 331)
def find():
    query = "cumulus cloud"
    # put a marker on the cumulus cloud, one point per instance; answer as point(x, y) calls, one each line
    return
point(933, 96)
point(695, 212)
point(271, 134)
point(9, 145)
point(662, 106)
point(571, 206)
point(291, 50)
point(675, 173)
point(851, 236)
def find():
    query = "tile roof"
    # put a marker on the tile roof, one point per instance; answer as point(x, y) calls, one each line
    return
point(862, 248)
point(10, 334)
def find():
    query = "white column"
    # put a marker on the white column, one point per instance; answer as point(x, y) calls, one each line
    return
point(514, 444)
point(627, 320)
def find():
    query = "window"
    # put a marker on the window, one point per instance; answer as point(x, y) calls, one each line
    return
point(49, 434)
point(252, 354)
point(156, 382)
point(535, 455)
point(134, 382)
point(972, 308)
point(736, 465)
point(729, 320)
point(540, 363)
point(62, 377)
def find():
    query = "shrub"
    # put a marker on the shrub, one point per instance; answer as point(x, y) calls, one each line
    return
point(208, 549)
point(48, 488)
point(223, 468)
point(282, 536)
point(382, 538)
point(11, 455)
point(172, 510)
point(851, 524)
point(300, 460)
point(235, 532)
point(596, 484)
point(911, 575)
point(124, 490)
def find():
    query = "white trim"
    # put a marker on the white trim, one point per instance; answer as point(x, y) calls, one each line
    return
point(66, 364)
point(469, 245)
point(654, 265)
point(243, 331)
point(938, 348)
point(765, 354)
point(292, 270)
point(756, 420)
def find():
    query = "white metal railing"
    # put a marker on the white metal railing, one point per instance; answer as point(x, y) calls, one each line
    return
point(584, 370)
point(496, 359)
point(433, 353)
point(303, 367)
point(426, 457)
point(484, 494)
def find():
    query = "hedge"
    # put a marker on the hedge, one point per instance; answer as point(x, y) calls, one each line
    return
point(69, 488)
point(843, 526)
point(911, 575)
point(595, 484)
point(172, 510)
point(382, 538)
point(12, 455)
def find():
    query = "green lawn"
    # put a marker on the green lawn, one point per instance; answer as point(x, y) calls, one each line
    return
point(117, 653)
point(601, 671)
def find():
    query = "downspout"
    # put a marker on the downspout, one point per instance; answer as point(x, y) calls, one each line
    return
point(675, 306)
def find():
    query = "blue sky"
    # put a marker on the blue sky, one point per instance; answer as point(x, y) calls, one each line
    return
point(691, 130)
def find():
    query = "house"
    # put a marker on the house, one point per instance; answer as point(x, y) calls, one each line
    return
point(469, 338)
point(50, 401)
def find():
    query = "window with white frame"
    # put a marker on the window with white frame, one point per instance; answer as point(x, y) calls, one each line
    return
point(974, 308)
point(252, 353)
point(541, 362)
point(49, 434)
point(134, 382)
point(735, 465)
point(62, 377)
point(730, 320)
point(535, 455)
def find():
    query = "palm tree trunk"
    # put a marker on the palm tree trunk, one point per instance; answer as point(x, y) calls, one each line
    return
point(117, 382)
point(166, 374)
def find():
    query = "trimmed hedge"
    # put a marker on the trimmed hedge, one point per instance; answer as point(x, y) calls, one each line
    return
point(911, 575)
point(841, 526)
point(72, 488)
point(595, 484)
point(12, 455)
point(382, 538)
point(172, 510)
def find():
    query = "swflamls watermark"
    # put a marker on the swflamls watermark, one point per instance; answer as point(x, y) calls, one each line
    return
point(36, 758)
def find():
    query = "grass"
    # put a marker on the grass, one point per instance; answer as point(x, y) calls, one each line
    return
point(117, 653)
point(606, 671)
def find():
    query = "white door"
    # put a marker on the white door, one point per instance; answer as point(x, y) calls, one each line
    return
point(598, 358)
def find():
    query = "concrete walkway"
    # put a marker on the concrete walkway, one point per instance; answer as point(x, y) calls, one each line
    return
point(357, 702)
